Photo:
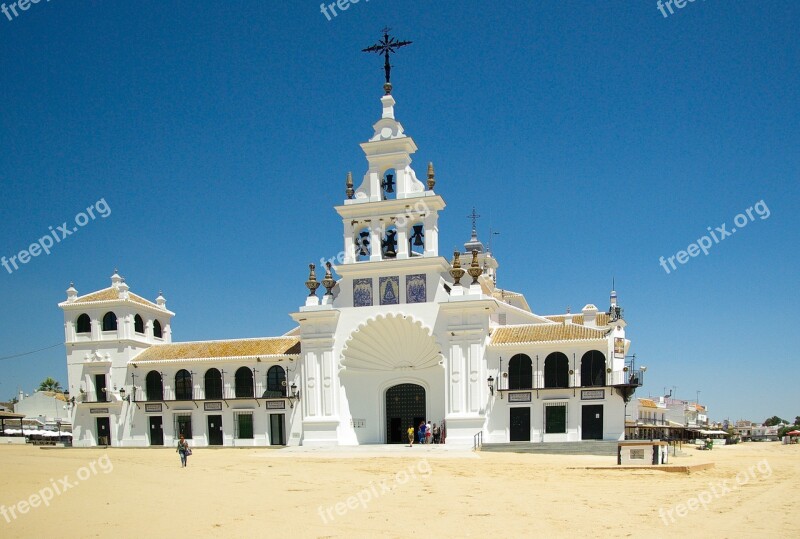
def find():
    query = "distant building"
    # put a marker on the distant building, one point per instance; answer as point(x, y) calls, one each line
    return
point(46, 406)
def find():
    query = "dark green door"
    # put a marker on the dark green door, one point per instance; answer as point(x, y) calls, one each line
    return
point(405, 407)
point(520, 421)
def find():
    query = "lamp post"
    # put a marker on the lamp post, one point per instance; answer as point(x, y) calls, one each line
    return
point(491, 384)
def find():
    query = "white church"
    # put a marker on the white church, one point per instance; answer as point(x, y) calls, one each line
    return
point(404, 334)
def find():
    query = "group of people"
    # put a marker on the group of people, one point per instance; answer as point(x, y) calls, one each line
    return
point(426, 434)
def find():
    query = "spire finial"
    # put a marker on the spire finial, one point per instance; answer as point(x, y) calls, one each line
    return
point(474, 216)
point(431, 176)
point(386, 46)
point(349, 184)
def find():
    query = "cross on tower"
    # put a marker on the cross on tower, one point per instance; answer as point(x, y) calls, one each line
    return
point(474, 216)
point(385, 46)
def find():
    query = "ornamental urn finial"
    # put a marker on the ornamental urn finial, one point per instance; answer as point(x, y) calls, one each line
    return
point(328, 282)
point(457, 273)
point(312, 284)
point(475, 270)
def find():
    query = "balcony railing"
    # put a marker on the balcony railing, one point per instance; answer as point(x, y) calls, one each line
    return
point(90, 397)
point(538, 382)
point(169, 394)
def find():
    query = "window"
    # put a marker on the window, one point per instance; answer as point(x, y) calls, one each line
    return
point(276, 382)
point(244, 383)
point(556, 370)
point(213, 381)
point(520, 372)
point(157, 329)
point(110, 322)
point(243, 425)
point(555, 418)
point(84, 324)
point(593, 369)
point(183, 385)
point(138, 324)
point(154, 386)
point(183, 425)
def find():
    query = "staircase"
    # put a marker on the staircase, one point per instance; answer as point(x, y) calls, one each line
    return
point(588, 447)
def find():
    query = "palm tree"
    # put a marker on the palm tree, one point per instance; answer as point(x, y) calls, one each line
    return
point(50, 384)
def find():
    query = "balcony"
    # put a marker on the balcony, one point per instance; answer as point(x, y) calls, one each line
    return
point(170, 395)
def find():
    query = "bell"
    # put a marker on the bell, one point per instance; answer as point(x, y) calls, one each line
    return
point(418, 236)
point(388, 183)
point(363, 243)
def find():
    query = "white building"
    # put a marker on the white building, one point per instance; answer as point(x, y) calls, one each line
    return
point(47, 406)
point(403, 335)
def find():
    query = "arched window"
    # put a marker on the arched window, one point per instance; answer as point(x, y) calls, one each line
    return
point(183, 385)
point(593, 369)
point(110, 322)
point(556, 370)
point(138, 324)
point(157, 329)
point(244, 383)
point(84, 324)
point(520, 372)
point(276, 382)
point(213, 381)
point(154, 386)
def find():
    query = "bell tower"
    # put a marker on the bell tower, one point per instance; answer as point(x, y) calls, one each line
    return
point(392, 214)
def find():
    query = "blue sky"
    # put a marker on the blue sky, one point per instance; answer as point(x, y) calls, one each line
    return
point(595, 137)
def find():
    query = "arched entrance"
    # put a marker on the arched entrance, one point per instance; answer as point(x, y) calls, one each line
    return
point(405, 406)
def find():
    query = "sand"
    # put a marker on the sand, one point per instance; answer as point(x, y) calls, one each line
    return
point(393, 492)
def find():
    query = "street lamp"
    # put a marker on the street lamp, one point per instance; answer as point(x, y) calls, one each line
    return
point(491, 384)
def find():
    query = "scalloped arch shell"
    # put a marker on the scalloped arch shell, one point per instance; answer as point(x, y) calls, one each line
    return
point(392, 342)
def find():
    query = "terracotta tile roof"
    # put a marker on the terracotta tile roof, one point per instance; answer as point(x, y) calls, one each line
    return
point(648, 403)
point(601, 320)
point(55, 395)
point(210, 350)
point(109, 294)
point(530, 333)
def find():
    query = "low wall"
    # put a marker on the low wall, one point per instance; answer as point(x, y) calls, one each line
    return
point(4, 440)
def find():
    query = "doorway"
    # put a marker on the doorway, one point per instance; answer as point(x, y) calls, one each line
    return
point(405, 406)
point(103, 431)
point(520, 421)
point(277, 434)
point(592, 422)
point(214, 430)
point(156, 430)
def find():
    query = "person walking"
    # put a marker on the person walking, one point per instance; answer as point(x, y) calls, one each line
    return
point(410, 435)
point(428, 433)
point(183, 450)
point(436, 434)
point(422, 432)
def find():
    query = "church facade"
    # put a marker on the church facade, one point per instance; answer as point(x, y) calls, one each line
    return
point(403, 335)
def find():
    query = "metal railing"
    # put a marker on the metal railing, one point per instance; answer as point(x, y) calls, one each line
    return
point(477, 441)
point(169, 394)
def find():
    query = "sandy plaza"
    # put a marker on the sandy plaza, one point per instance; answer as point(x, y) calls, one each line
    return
point(384, 492)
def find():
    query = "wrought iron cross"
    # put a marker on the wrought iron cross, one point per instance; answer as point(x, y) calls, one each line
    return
point(385, 46)
point(474, 216)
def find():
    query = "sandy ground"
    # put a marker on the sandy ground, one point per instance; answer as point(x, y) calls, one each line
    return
point(392, 492)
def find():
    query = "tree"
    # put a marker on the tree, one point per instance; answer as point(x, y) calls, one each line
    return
point(797, 420)
point(50, 384)
point(774, 420)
